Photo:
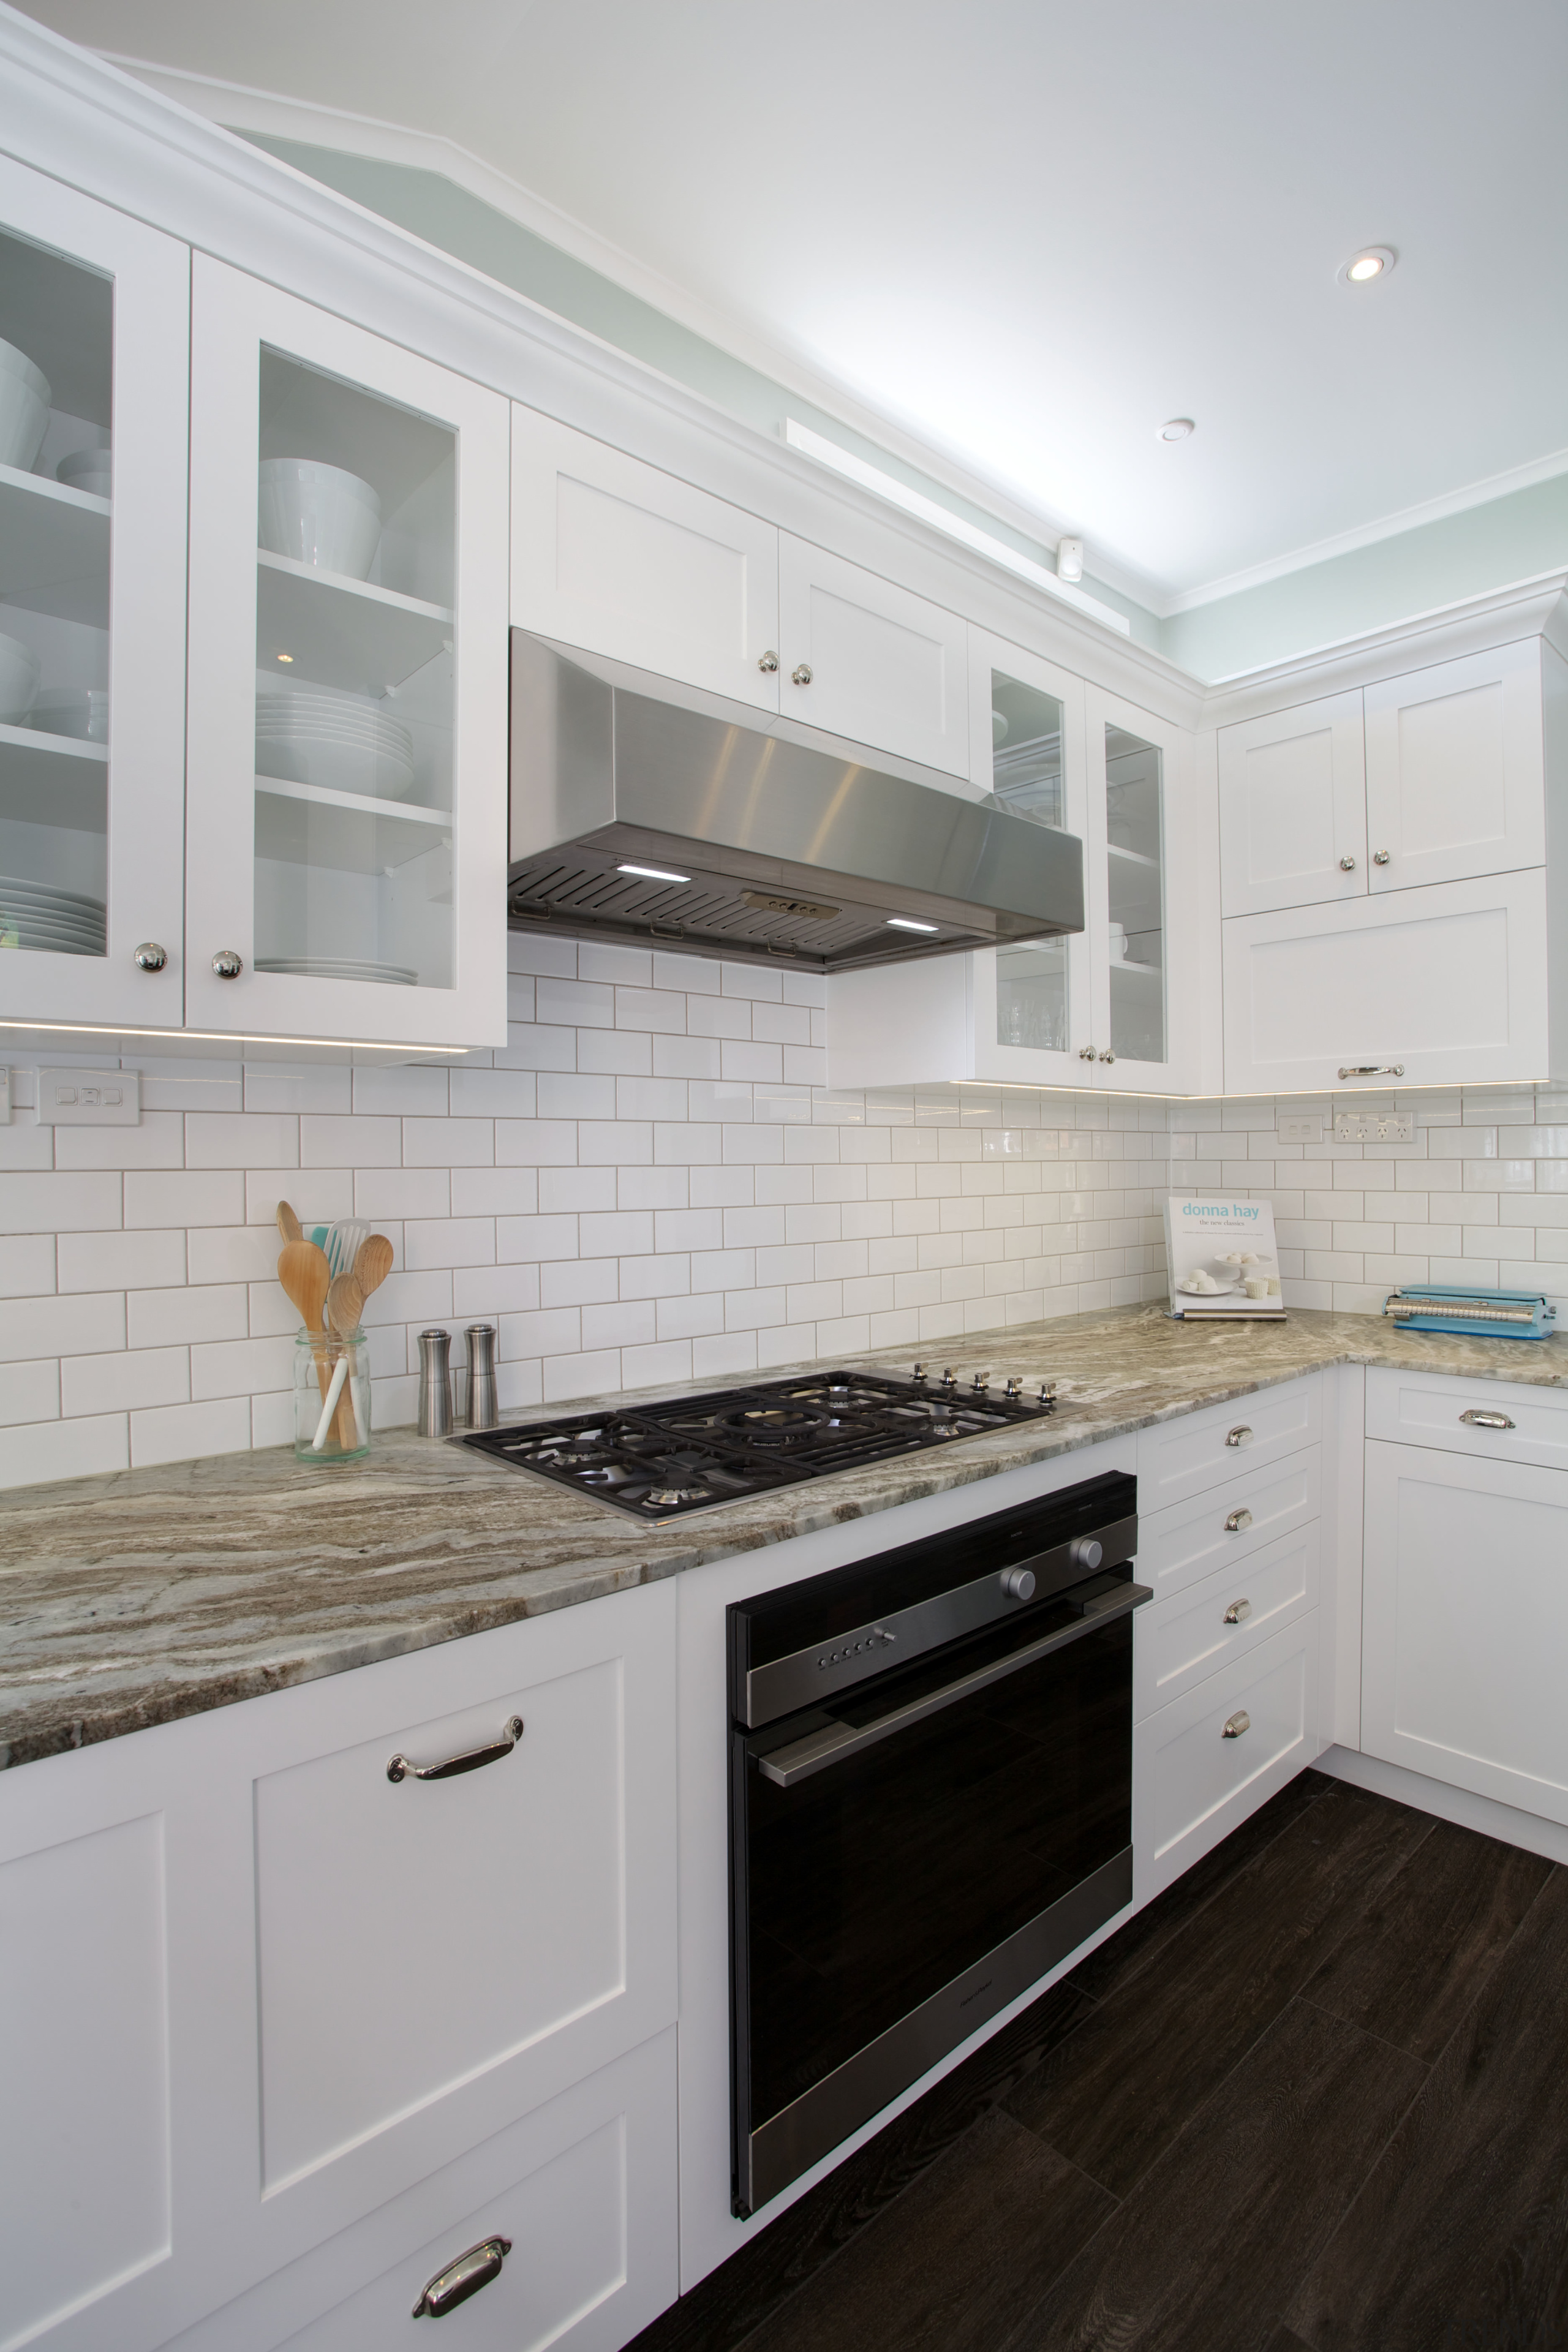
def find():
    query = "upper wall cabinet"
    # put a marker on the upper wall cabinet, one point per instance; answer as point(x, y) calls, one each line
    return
point(1292, 805)
point(94, 312)
point(348, 680)
point(869, 660)
point(621, 559)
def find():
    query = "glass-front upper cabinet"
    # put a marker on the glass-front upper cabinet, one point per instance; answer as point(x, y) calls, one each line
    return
point(93, 325)
point(348, 692)
point(1139, 770)
point(1031, 1003)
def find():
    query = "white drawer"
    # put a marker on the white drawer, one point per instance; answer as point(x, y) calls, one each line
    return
point(1192, 1784)
point(585, 2189)
point(1430, 1409)
point(1178, 1458)
point(1179, 1641)
point(1229, 1522)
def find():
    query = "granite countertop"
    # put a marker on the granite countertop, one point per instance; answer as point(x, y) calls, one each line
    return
point(138, 1597)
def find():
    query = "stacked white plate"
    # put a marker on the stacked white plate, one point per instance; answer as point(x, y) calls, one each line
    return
point(62, 922)
point(395, 975)
point(347, 742)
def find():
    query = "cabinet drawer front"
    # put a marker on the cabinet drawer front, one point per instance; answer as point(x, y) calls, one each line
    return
point(1430, 1409)
point(1178, 1546)
point(1191, 1777)
point(1464, 1619)
point(1179, 1641)
point(1179, 1458)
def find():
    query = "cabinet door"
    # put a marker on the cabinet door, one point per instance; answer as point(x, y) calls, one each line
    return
point(348, 681)
point(1440, 987)
point(1455, 769)
point(1026, 746)
point(621, 559)
point(1142, 901)
point(96, 308)
point(1465, 1624)
point(869, 660)
point(1292, 807)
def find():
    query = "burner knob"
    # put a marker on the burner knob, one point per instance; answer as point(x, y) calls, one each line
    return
point(1085, 1551)
point(980, 1383)
point(1048, 1396)
point(1019, 1583)
point(949, 1378)
point(1015, 1388)
point(920, 1373)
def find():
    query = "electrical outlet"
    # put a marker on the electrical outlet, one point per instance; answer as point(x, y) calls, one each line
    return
point(90, 1097)
point(1374, 1126)
point(1300, 1126)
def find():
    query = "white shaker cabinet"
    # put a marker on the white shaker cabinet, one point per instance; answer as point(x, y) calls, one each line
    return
point(346, 831)
point(615, 556)
point(92, 611)
point(1292, 800)
point(869, 660)
point(1455, 769)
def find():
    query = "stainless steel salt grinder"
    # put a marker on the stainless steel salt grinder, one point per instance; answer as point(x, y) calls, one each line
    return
point(481, 1411)
point(435, 1384)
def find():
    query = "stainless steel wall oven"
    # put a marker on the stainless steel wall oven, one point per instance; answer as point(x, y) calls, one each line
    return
point(929, 1805)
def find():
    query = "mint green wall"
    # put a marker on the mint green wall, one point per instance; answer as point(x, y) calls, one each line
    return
point(1437, 563)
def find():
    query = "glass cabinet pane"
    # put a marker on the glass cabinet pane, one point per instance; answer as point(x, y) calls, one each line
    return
point(1031, 1006)
point(56, 420)
point(1135, 876)
point(355, 667)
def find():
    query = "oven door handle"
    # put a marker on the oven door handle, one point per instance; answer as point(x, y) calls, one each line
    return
point(787, 1766)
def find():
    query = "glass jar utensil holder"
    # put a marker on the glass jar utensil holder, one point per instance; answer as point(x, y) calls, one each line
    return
point(331, 1397)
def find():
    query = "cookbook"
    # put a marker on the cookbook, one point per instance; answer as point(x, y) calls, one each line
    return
point(1223, 1258)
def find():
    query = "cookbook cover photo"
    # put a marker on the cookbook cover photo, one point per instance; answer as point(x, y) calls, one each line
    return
point(1222, 1257)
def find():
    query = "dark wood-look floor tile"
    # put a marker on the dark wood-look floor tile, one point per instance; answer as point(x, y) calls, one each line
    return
point(1208, 2249)
point(738, 2298)
point(1285, 2340)
point(1460, 2236)
point(1118, 2092)
point(1425, 1948)
point(957, 2262)
point(1131, 1947)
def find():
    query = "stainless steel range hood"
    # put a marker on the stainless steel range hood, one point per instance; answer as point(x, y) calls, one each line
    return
point(772, 842)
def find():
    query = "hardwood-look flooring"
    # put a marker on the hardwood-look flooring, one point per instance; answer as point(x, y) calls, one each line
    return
point(1312, 2099)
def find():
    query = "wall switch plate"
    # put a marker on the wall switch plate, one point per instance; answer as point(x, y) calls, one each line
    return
point(5, 1095)
point(1374, 1126)
point(90, 1097)
point(1300, 1126)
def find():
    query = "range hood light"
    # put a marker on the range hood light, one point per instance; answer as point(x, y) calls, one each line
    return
point(907, 923)
point(654, 873)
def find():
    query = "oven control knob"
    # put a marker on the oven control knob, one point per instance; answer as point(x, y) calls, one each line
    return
point(1085, 1552)
point(1018, 1583)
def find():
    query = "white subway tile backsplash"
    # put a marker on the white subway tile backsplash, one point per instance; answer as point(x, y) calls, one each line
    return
point(29, 1391)
point(117, 1261)
point(39, 1451)
point(27, 1265)
point(183, 1433)
point(173, 1318)
point(89, 1323)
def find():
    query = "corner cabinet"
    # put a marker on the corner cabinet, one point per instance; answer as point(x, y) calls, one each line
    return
point(1114, 1006)
point(346, 823)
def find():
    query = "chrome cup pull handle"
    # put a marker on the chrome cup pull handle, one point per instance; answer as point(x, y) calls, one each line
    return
point(1372, 1070)
point(462, 2278)
point(399, 1767)
point(1238, 1522)
point(1479, 1420)
point(1237, 1612)
point(1239, 1435)
point(1235, 1724)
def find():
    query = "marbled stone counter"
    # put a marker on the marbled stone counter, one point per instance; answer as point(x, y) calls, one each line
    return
point(132, 1598)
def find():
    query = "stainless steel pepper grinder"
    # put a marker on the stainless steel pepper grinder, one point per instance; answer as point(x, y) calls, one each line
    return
point(480, 1409)
point(435, 1384)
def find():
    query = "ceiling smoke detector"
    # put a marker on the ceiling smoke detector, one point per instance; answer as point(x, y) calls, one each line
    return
point(1365, 268)
point(1175, 428)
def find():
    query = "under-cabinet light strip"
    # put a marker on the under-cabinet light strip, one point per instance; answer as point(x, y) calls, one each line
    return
point(914, 502)
point(226, 1037)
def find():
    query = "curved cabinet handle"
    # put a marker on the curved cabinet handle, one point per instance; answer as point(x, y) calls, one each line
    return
point(398, 1767)
point(1239, 1435)
point(1372, 1070)
point(1235, 1724)
point(801, 674)
point(1479, 1420)
point(462, 2278)
point(769, 662)
point(1238, 1522)
point(1238, 1611)
point(150, 956)
point(228, 964)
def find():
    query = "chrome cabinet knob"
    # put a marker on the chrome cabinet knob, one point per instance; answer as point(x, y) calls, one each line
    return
point(1379, 856)
point(150, 956)
point(228, 964)
point(1085, 1551)
point(1018, 1583)
point(769, 663)
point(801, 674)
point(1108, 1055)
point(1086, 1053)
point(1347, 866)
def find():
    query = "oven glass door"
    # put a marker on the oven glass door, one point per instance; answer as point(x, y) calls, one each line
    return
point(870, 1885)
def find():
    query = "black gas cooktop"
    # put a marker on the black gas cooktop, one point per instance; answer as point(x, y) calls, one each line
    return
point(686, 1454)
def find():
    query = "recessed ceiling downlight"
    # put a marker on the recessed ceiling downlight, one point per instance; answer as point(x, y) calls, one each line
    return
point(1175, 428)
point(1373, 261)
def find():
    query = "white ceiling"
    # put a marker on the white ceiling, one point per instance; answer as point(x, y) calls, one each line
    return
point(1028, 231)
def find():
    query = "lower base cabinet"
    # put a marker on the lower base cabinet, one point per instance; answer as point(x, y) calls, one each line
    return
point(1465, 1622)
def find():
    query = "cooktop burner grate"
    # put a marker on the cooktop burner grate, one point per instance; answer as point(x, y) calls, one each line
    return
point(659, 1461)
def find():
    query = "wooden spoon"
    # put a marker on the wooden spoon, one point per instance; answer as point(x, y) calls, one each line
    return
point(373, 1262)
point(345, 1305)
point(303, 1271)
point(289, 1226)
